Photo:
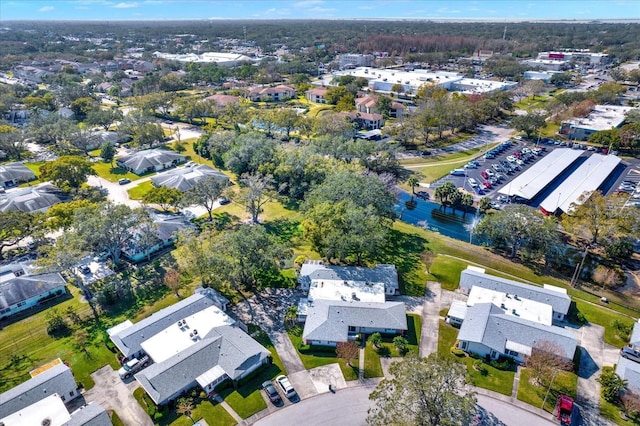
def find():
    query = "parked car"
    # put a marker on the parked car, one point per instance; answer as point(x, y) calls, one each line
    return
point(490, 172)
point(286, 386)
point(272, 393)
point(630, 353)
point(124, 181)
point(484, 174)
point(458, 172)
point(131, 367)
point(473, 182)
point(486, 184)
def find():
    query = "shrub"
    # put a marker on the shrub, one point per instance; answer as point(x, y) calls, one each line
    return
point(457, 351)
point(608, 277)
point(375, 339)
point(400, 344)
point(621, 328)
point(478, 365)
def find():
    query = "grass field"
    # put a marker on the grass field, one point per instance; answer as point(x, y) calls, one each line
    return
point(105, 171)
point(496, 380)
point(565, 383)
point(139, 191)
point(612, 412)
point(437, 166)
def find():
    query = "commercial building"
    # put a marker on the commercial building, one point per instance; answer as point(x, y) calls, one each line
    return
point(220, 58)
point(602, 117)
point(531, 182)
point(576, 55)
point(355, 60)
point(540, 75)
point(582, 182)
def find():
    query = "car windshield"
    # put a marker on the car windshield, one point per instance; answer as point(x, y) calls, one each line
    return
point(126, 367)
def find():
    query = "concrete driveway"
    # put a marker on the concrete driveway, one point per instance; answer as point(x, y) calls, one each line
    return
point(113, 394)
point(595, 355)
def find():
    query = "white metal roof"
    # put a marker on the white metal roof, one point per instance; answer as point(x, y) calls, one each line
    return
point(210, 376)
point(586, 179)
point(458, 310)
point(518, 347)
point(539, 175)
point(531, 310)
point(51, 408)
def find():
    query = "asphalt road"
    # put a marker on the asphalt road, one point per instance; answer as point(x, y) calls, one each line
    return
point(349, 407)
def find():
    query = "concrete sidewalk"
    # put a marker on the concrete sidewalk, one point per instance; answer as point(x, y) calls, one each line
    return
point(430, 319)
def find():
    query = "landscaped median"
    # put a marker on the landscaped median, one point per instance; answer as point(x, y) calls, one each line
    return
point(494, 376)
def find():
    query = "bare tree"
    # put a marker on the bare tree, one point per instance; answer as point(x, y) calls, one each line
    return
point(185, 407)
point(545, 360)
point(258, 191)
point(427, 257)
point(348, 350)
point(172, 281)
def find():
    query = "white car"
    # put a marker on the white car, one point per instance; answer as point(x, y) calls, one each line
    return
point(511, 159)
point(286, 386)
point(490, 172)
point(473, 183)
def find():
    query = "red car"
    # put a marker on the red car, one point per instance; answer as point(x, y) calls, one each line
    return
point(486, 184)
point(484, 174)
point(565, 409)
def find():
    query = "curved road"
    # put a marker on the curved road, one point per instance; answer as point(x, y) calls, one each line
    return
point(350, 405)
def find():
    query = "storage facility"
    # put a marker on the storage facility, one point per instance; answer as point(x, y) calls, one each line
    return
point(587, 178)
point(541, 174)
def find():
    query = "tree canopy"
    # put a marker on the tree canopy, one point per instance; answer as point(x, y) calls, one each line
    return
point(68, 172)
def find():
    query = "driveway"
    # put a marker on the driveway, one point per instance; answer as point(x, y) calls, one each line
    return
point(430, 319)
point(595, 355)
point(114, 394)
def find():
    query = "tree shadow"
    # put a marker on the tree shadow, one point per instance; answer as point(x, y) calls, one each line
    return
point(403, 250)
point(285, 229)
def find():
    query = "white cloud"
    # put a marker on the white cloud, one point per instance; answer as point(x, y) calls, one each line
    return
point(46, 9)
point(304, 4)
point(125, 5)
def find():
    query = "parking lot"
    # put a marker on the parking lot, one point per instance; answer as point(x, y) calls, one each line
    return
point(483, 177)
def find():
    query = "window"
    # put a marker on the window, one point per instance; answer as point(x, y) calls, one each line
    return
point(464, 346)
point(71, 393)
point(512, 353)
point(62, 398)
point(352, 328)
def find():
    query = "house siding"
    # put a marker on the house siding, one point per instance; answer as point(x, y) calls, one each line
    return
point(31, 302)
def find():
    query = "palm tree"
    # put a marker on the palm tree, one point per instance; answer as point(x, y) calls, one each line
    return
point(413, 181)
point(185, 407)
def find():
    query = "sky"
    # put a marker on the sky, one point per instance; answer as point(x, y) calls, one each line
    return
point(323, 9)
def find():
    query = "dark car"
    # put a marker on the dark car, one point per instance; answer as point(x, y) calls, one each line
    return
point(124, 181)
point(271, 392)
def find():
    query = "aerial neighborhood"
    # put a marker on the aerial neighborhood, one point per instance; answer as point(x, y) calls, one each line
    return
point(222, 222)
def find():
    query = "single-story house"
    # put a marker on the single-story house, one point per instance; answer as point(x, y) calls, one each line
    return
point(20, 289)
point(329, 321)
point(191, 343)
point(52, 411)
point(57, 379)
point(629, 369)
point(165, 226)
point(13, 174)
point(488, 331)
point(314, 273)
point(150, 160)
point(184, 178)
point(272, 94)
point(223, 100)
point(34, 199)
point(555, 296)
point(317, 94)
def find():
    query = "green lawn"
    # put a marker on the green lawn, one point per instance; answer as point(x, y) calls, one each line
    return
point(311, 356)
point(372, 366)
point(246, 404)
point(612, 412)
point(105, 171)
point(565, 383)
point(139, 191)
point(598, 315)
point(446, 271)
point(496, 380)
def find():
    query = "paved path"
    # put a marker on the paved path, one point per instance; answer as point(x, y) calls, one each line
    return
point(227, 407)
point(430, 319)
point(516, 383)
point(114, 394)
point(361, 364)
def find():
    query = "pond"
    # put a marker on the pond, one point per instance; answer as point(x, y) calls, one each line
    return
point(429, 215)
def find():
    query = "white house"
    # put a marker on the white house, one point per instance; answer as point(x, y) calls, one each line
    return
point(165, 227)
point(22, 288)
point(629, 369)
point(556, 297)
point(191, 343)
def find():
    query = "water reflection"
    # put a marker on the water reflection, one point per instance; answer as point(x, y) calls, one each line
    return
point(428, 215)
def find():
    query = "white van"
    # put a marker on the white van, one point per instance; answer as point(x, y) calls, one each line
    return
point(473, 183)
point(458, 172)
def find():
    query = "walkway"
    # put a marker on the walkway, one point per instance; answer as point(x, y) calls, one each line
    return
point(227, 407)
point(430, 319)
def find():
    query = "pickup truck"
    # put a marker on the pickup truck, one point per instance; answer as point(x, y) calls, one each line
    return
point(131, 367)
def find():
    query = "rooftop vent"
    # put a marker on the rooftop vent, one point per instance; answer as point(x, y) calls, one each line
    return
point(502, 306)
point(195, 332)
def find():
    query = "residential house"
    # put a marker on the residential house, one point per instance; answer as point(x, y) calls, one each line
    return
point(43, 400)
point(33, 199)
point(56, 379)
point(491, 332)
point(272, 94)
point(223, 100)
point(22, 287)
point(150, 160)
point(369, 104)
point(344, 301)
point(317, 94)
point(164, 233)
point(556, 297)
point(628, 369)
point(184, 178)
point(192, 343)
point(365, 120)
point(13, 174)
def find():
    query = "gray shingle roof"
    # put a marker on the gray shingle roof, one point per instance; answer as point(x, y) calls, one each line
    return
point(32, 199)
point(57, 379)
point(24, 287)
point(559, 302)
point(185, 177)
point(629, 370)
point(91, 414)
point(17, 172)
point(486, 323)
point(227, 346)
point(129, 339)
point(385, 274)
point(150, 158)
point(330, 320)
